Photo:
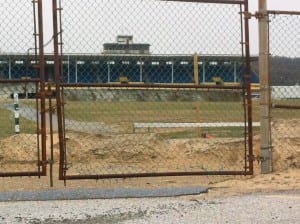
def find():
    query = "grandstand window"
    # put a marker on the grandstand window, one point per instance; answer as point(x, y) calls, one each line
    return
point(95, 62)
point(49, 62)
point(200, 63)
point(169, 62)
point(80, 62)
point(125, 62)
point(227, 63)
point(111, 62)
point(155, 62)
point(213, 63)
point(19, 62)
point(65, 62)
point(184, 62)
point(33, 62)
point(3, 62)
point(140, 63)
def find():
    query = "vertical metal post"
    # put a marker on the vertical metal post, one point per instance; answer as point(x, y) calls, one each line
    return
point(203, 71)
point(9, 68)
point(141, 72)
point(68, 68)
point(76, 72)
point(51, 135)
point(42, 85)
point(108, 72)
point(196, 69)
point(264, 87)
point(59, 101)
point(234, 72)
point(247, 81)
point(172, 72)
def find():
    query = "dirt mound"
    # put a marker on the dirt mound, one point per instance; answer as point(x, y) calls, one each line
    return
point(21, 147)
point(149, 149)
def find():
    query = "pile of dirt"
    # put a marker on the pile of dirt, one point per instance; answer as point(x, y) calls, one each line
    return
point(150, 150)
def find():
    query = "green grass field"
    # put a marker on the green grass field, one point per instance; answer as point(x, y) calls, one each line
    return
point(7, 127)
point(125, 113)
point(115, 112)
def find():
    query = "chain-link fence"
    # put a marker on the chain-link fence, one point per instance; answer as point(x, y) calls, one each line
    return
point(153, 88)
point(284, 33)
point(19, 138)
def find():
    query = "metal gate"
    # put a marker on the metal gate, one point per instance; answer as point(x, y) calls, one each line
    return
point(22, 90)
point(132, 91)
point(135, 100)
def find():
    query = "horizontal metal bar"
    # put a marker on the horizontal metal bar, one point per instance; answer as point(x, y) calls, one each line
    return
point(146, 86)
point(166, 174)
point(278, 12)
point(282, 106)
point(19, 80)
point(21, 174)
point(210, 1)
point(190, 124)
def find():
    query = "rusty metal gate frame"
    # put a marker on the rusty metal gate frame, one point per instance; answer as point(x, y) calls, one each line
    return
point(246, 88)
point(41, 94)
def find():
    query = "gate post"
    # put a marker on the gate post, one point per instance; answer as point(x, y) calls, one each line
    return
point(42, 86)
point(264, 76)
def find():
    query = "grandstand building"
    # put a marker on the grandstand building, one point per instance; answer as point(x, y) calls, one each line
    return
point(125, 59)
point(125, 45)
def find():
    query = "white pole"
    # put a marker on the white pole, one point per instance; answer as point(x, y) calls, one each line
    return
point(172, 72)
point(16, 113)
point(76, 71)
point(203, 71)
point(68, 68)
point(265, 143)
point(234, 72)
point(9, 68)
point(108, 73)
point(141, 72)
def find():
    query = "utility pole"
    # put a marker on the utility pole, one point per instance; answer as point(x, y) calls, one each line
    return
point(264, 76)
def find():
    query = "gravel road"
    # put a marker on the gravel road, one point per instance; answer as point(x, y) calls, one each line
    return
point(279, 207)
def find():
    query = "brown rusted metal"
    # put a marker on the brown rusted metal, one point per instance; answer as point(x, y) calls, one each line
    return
point(163, 174)
point(58, 76)
point(37, 127)
point(19, 174)
point(248, 89)
point(278, 12)
point(11, 81)
point(283, 106)
point(154, 86)
point(51, 137)
point(42, 85)
point(232, 2)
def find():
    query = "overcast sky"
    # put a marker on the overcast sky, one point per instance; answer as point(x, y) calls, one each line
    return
point(290, 5)
point(284, 5)
point(169, 27)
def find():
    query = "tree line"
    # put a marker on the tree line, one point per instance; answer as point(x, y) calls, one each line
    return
point(284, 71)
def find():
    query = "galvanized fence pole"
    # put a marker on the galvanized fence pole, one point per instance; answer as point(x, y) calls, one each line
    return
point(264, 88)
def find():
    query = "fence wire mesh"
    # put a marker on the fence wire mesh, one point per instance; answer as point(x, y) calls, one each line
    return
point(157, 121)
point(18, 129)
point(19, 141)
point(153, 130)
point(284, 33)
point(150, 41)
point(17, 42)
